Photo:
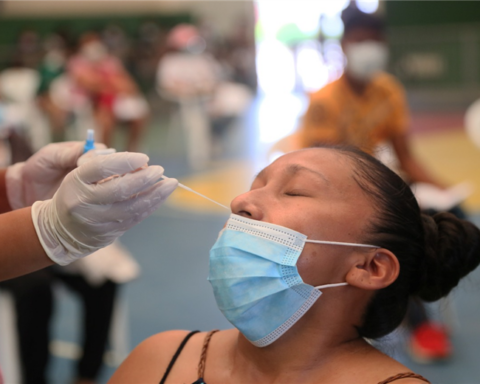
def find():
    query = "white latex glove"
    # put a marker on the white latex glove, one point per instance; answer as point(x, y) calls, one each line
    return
point(40, 176)
point(85, 215)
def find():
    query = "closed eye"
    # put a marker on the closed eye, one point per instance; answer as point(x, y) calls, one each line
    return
point(295, 193)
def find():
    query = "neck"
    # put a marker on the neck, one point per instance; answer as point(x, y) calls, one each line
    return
point(357, 86)
point(311, 345)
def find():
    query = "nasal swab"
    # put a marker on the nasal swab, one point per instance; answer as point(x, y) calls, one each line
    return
point(205, 197)
point(199, 194)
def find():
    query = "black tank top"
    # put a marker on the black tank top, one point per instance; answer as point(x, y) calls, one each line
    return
point(201, 363)
point(203, 357)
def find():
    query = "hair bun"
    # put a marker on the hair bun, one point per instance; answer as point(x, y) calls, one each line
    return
point(452, 250)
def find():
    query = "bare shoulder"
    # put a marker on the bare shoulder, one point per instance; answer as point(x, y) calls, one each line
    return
point(411, 381)
point(148, 361)
point(401, 370)
point(377, 367)
point(164, 340)
point(161, 346)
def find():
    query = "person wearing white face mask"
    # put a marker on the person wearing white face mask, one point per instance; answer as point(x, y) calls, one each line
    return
point(366, 106)
point(365, 60)
point(323, 251)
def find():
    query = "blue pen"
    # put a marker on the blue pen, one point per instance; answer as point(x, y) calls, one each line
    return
point(90, 142)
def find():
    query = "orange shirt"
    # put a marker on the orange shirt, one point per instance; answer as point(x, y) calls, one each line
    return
point(338, 115)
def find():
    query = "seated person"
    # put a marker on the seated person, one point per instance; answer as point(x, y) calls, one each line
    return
point(112, 90)
point(322, 253)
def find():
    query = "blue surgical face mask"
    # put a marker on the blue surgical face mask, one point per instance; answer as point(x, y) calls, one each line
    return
point(255, 279)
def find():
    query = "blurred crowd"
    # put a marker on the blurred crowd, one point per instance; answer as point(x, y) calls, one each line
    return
point(55, 87)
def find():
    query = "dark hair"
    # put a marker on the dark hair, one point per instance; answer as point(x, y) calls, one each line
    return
point(353, 18)
point(434, 252)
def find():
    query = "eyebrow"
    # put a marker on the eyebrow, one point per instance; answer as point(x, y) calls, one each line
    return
point(294, 169)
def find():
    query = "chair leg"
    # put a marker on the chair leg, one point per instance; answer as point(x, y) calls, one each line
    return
point(9, 348)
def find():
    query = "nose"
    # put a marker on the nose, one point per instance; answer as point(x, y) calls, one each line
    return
point(248, 205)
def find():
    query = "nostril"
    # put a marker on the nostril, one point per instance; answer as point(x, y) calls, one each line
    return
point(245, 213)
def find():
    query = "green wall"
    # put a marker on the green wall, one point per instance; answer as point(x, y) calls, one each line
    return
point(435, 45)
point(408, 13)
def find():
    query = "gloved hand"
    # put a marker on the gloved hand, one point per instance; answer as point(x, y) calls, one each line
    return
point(40, 176)
point(85, 215)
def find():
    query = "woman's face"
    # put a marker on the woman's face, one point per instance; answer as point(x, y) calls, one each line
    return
point(312, 192)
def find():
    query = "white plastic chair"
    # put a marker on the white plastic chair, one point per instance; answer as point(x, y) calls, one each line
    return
point(9, 353)
point(66, 96)
point(185, 80)
point(192, 119)
point(19, 85)
point(472, 123)
point(18, 89)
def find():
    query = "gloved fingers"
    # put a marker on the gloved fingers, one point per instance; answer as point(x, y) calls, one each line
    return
point(125, 214)
point(124, 187)
point(167, 186)
point(72, 157)
point(101, 167)
point(50, 159)
point(147, 202)
point(102, 150)
point(62, 155)
point(55, 157)
point(65, 155)
point(100, 146)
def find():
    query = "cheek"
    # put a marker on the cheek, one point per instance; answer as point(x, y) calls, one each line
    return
point(317, 266)
point(304, 266)
point(311, 266)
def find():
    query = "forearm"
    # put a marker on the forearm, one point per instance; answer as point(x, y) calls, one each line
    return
point(4, 204)
point(409, 164)
point(21, 251)
point(418, 174)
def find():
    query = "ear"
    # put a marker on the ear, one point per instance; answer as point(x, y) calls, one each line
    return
point(374, 270)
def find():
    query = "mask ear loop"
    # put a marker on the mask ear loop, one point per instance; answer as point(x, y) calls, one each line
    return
point(330, 285)
point(338, 243)
point(341, 243)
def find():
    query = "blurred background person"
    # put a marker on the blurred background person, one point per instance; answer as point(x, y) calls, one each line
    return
point(185, 69)
point(28, 48)
point(52, 66)
point(17, 84)
point(114, 94)
point(366, 106)
point(208, 98)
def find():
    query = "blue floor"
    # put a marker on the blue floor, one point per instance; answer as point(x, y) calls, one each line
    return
point(172, 293)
